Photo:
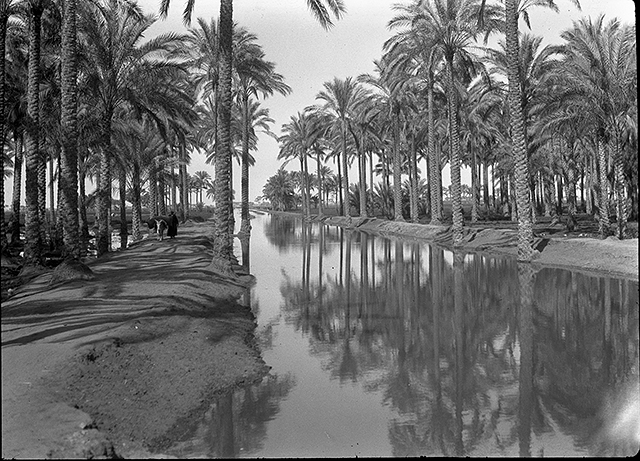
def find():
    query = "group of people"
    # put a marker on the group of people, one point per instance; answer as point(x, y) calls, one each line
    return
point(162, 223)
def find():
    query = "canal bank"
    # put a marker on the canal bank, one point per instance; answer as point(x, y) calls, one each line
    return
point(114, 366)
point(610, 256)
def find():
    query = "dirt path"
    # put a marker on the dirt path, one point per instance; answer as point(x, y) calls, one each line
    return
point(110, 366)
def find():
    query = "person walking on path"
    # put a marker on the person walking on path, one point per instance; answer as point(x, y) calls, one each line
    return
point(172, 230)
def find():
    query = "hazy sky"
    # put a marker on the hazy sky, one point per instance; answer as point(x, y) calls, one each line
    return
point(307, 55)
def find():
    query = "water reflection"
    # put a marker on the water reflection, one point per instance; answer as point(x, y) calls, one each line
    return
point(472, 355)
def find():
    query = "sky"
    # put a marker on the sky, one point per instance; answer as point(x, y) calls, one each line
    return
point(307, 55)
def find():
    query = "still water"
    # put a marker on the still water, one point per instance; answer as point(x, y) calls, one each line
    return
point(380, 347)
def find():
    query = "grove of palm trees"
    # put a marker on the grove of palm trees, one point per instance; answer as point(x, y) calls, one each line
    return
point(547, 133)
point(466, 123)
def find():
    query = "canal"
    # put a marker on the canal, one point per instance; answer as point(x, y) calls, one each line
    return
point(385, 347)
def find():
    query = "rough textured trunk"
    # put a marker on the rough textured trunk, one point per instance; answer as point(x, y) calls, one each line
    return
point(622, 207)
point(82, 206)
point(320, 182)
point(33, 240)
point(519, 142)
point(345, 173)
point(454, 146)
point(162, 196)
point(136, 205)
point(103, 202)
point(122, 188)
point(4, 16)
point(17, 190)
point(474, 188)
point(603, 208)
point(223, 247)
point(485, 186)
point(45, 224)
point(397, 177)
point(184, 187)
point(245, 223)
point(153, 192)
point(307, 184)
point(68, 175)
point(414, 181)
point(434, 163)
point(363, 178)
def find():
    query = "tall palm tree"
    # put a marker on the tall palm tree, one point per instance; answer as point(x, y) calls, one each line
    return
point(254, 76)
point(33, 236)
point(601, 64)
point(455, 26)
point(341, 97)
point(68, 182)
point(224, 244)
point(6, 7)
point(124, 72)
point(513, 10)
point(416, 50)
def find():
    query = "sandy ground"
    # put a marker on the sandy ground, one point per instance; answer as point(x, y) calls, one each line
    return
point(111, 367)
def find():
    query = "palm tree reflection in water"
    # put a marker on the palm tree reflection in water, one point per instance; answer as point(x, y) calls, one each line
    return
point(474, 355)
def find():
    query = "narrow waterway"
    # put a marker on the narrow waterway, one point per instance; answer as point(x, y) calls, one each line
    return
point(384, 347)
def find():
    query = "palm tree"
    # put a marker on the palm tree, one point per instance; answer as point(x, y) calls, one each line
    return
point(122, 72)
point(513, 10)
point(455, 25)
point(341, 97)
point(600, 60)
point(254, 76)
point(279, 190)
point(68, 182)
point(296, 142)
point(416, 51)
point(203, 179)
point(33, 243)
point(222, 234)
point(6, 7)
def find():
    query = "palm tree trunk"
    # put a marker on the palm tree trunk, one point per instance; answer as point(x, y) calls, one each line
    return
point(397, 176)
point(345, 174)
point(136, 205)
point(184, 187)
point(414, 180)
point(603, 208)
point(82, 218)
point(52, 195)
point(33, 224)
point(68, 174)
point(363, 179)
point(245, 224)
point(17, 189)
point(519, 142)
point(4, 16)
point(474, 187)
point(622, 207)
point(45, 224)
point(122, 188)
point(454, 146)
point(223, 238)
point(485, 185)
point(162, 195)
point(434, 167)
point(340, 201)
point(153, 192)
point(320, 182)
